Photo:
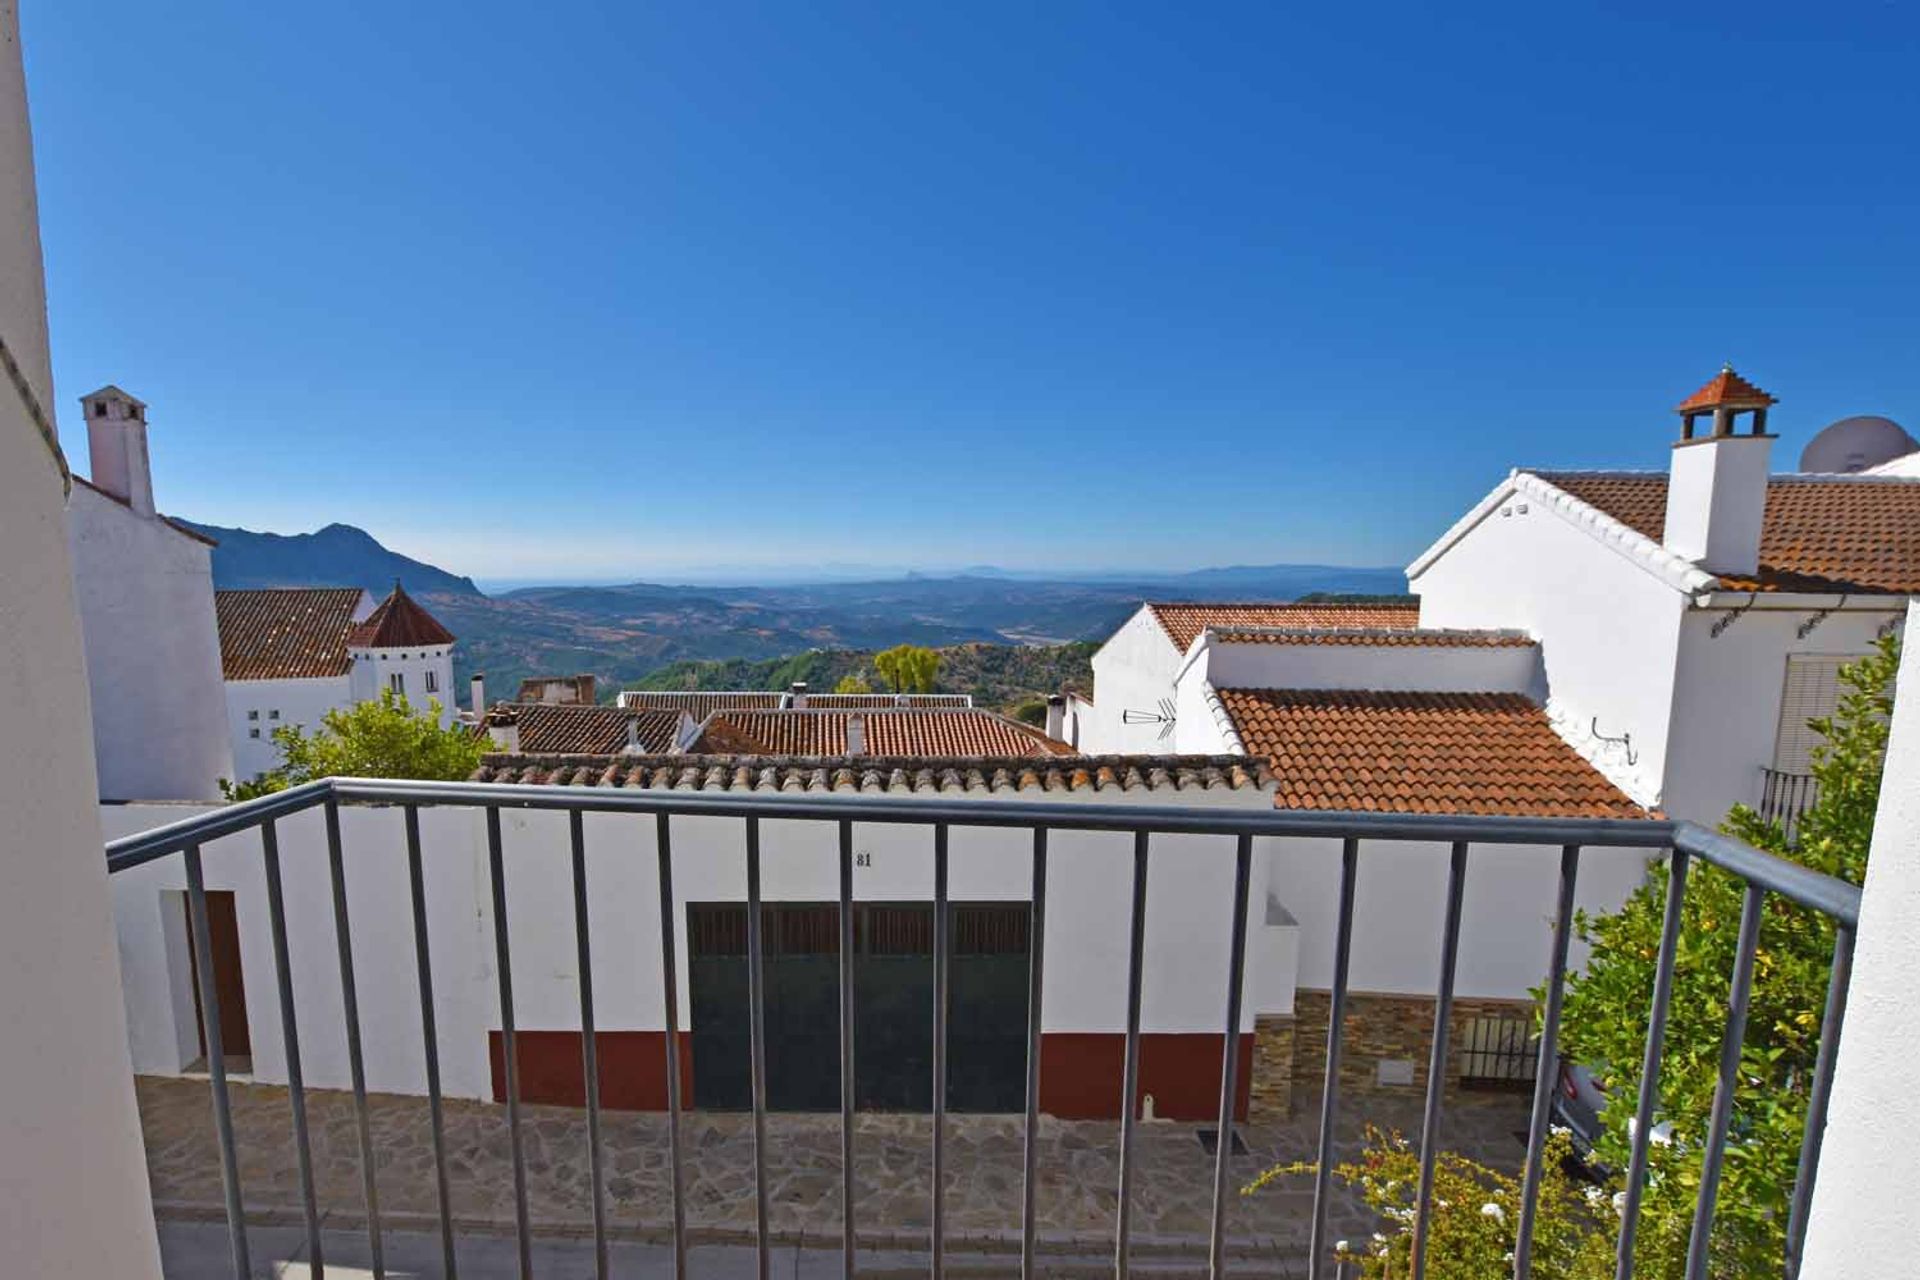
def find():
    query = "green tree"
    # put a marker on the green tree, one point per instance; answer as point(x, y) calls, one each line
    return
point(1031, 711)
point(908, 668)
point(384, 738)
point(853, 682)
point(1604, 1024)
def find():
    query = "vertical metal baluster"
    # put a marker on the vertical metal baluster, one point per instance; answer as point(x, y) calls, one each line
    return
point(290, 1035)
point(589, 1048)
point(1650, 1064)
point(1817, 1103)
point(430, 1038)
point(1330, 1087)
point(503, 961)
point(1036, 966)
point(216, 1061)
point(356, 1064)
point(663, 848)
point(940, 944)
point(1130, 1069)
point(1752, 908)
point(1547, 1068)
point(1230, 1057)
point(757, 1047)
point(846, 1049)
point(1437, 1064)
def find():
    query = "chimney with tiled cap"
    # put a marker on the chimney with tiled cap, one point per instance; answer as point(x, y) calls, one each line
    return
point(797, 696)
point(1056, 716)
point(479, 687)
point(1717, 489)
point(117, 447)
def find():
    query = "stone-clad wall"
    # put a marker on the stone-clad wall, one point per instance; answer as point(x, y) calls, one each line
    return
point(1379, 1027)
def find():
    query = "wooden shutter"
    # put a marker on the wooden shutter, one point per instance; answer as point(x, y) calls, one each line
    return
point(1812, 690)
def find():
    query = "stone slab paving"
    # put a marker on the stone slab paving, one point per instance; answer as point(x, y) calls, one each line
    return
point(1078, 1170)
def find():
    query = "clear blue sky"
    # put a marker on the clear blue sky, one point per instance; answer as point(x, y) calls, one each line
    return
point(578, 291)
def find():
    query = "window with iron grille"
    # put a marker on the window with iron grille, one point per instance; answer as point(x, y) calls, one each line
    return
point(1497, 1051)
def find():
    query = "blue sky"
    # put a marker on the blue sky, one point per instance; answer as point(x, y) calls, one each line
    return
point(578, 291)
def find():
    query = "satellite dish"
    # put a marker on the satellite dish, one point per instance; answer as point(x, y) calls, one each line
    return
point(1855, 444)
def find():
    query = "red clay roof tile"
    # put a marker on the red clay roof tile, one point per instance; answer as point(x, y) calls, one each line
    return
point(1183, 621)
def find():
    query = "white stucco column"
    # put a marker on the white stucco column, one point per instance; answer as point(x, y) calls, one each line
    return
point(1864, 1222)
point(74, 1200)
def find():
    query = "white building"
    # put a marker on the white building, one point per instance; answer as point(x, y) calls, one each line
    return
point(144, 585)
point(290, 655)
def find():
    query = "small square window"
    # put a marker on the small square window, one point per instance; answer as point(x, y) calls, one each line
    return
point(253, 715)
point(273, 715)
point(253, 733)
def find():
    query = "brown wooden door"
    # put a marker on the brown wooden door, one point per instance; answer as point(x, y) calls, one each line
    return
point(223, 936)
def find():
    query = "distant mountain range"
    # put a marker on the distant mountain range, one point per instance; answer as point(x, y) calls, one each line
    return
point(625, 634)
point(336, 556)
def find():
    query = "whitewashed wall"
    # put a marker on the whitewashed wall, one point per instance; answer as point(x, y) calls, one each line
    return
point(1429, 668)
point(299, 702)
point(1188, 926)
point(1609, 631)
point(145, 594)
point(1133, 670)
point(371, 667)
point(1728, 691)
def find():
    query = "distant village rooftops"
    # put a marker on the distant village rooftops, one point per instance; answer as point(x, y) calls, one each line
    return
point(883, 774)
point(558, 689)
point(1389, 637)
point(1467, 753)
point(892, 731)
point(571, 729)
point(1183, 621)
point(700, 703)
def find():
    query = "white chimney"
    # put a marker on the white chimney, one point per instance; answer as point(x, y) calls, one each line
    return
point(1056, 716)
point(117, 447)
point(797, 696)
point(856, 735)
point(503, 726)
point(633, 735)
point(479, 687)
point(1717, 488)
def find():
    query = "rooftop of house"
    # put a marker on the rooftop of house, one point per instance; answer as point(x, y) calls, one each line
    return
point(1389, 637)
point(951, 732)
point(1184, 621)
point(1460, 753)
point(890, 774)
point(1820, 532)
point(558, 689)
point(701, 703)
point(285, 633)
point(565, 728)
point(398, 622)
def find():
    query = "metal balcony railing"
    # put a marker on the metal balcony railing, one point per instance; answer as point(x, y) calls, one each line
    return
point(1785, 796)
point(1762, 873)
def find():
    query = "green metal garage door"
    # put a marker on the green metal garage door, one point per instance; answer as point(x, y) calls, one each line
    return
point(893, 1006)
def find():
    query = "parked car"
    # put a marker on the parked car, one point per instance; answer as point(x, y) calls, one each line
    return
point(1577, 1102)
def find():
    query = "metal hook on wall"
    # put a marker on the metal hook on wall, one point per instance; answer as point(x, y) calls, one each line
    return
point(1625, 741)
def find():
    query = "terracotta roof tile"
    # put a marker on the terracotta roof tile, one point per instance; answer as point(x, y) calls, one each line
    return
point(1474, 753)
point(549, 728)
point(285, 633)
point(1729, 389)
point(1387, 637)
point(1820, 533)
point(870, 774)
point(398, 622)
point(1184, 621)
point(953, 732)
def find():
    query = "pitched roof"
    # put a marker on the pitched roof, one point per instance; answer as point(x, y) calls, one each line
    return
point(699, 703)
point(169, 521)
point(1727, 389)
point(882, 701)
point(1183, 621)
point(1820, 533)
point(1474, 753)
point(957, 732)
point(1385, 637)
point(910, 774)
point(398, 622)
point(285, 633)
point(568, 728)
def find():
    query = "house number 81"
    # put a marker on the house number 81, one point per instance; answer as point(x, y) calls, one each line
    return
point(862, 859)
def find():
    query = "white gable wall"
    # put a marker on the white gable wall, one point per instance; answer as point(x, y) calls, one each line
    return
point(145, 595)
point(1609, 631)
point(1134, 670)
point(427, 673)
point(1396, 667)
point(252, 704)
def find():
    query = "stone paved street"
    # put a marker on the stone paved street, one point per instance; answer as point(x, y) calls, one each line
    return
point(1078, 1171)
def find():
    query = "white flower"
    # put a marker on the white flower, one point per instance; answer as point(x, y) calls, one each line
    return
point(1558, 1130)
point(1492, 1210)
point(1340, 1246)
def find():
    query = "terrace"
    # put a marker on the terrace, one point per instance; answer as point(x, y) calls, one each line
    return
point(289, 1169)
